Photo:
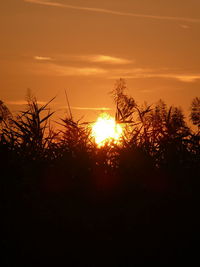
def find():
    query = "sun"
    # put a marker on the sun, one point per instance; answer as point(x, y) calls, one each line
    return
point(106, 130)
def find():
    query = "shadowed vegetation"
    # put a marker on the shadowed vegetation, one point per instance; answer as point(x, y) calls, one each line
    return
point(65, 201)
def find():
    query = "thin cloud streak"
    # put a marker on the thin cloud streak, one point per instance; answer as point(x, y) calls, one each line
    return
point(113, 73)
point(42, 58)
point(59, 70)
point(107, 59)
point(113, 12)
point(188, 78)
point(186, 27)
point(23, 102)
point(91, 108)
point(90, 58)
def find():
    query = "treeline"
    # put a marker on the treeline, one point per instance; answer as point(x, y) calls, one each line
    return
point(56, 180)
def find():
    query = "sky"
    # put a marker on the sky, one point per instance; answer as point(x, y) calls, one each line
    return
point(85, 46)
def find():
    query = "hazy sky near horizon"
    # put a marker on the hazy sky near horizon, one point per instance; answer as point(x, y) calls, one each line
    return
point(84, 46)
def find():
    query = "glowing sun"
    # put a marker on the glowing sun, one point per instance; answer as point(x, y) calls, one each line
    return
point(106, 130)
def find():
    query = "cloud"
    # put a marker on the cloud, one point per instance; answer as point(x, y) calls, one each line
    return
point(186, 77)
point(62, 70)
point(107, 59)
point(76, 71)
point(23, 102)
point(111, 73)
point(146, 74)
point(42, 58)
point(113, 12)
point(186, 27)
point(94, 58)
point(91, 108)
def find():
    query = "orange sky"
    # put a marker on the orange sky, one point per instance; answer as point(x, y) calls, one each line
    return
point(85, 45)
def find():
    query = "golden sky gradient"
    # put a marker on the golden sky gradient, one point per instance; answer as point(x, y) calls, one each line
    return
point(84, 46)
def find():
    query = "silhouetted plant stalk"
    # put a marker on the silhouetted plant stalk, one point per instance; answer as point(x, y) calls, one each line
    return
point(160, 131)
point(157, 132)
point(195, 112)
point(30, 132)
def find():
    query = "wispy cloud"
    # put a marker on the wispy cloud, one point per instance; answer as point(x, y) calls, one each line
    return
point(106, 59)
point(42, 58)
point(155, 73)
point(90, 58)
point(76, 71)
point(113, 12)
point(185, 77)
point(23, 102)
point(116, 72)
point(63, 70)
point(91, 108)
point(184, 26)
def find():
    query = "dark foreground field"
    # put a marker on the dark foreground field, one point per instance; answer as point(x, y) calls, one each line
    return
point(77, 225)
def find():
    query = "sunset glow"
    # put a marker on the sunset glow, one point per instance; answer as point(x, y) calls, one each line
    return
point(106, 130)
point(60, 45)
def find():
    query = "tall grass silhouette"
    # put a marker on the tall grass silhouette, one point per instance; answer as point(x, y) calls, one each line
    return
point(68, 201)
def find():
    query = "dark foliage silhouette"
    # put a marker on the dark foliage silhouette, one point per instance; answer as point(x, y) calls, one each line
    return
point(68, 202)
point(195, 112)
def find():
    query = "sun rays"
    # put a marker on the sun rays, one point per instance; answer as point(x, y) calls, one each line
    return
point(106, 130)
